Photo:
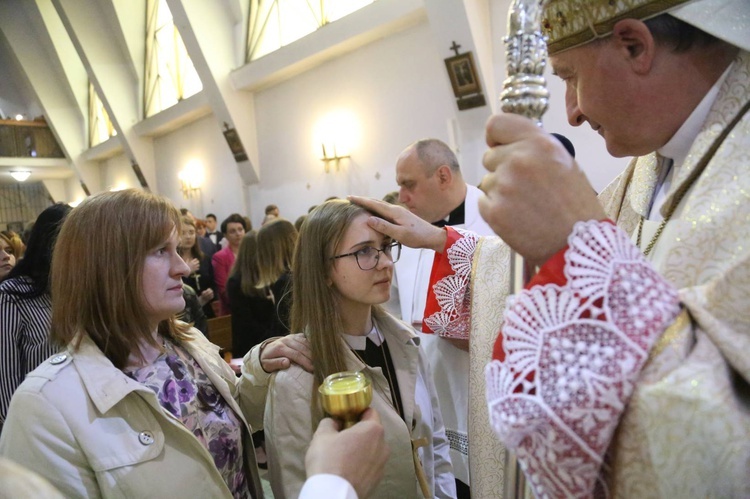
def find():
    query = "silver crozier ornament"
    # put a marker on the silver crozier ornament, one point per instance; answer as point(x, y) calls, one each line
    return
point(525, 93)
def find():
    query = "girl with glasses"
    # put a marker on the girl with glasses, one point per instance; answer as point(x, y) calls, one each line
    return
point(342, 273)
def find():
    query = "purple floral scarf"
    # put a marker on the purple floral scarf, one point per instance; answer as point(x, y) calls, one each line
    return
point(184, 390)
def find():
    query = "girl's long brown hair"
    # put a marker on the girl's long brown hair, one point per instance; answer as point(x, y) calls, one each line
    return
point(314, 308)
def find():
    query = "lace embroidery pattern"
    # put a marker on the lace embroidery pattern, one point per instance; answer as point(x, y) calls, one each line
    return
point(573, 354)
point(452, 292)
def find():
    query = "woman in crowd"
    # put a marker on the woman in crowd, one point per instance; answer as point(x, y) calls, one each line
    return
point(233, 228)
point(276, 241)
point(259, 293)
point(250, 307)
point(200, 227)
point(139, 404)
point(26, 306)
point(11, 249)
point(201, 277)
point(247, 302)
point(341, 274)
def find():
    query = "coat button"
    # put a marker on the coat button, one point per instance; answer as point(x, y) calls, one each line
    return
point(146, 437)
point(58, 359)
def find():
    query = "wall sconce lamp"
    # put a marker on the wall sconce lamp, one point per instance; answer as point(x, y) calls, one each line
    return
point(337, 133)
point(191, 178)
point(20, 175)
point(331, 154)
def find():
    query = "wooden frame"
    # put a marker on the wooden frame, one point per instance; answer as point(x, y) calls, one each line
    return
point(463, 75)
point(235, 144)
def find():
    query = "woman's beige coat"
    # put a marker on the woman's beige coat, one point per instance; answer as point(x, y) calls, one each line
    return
point(92, 432)
point(290, 426)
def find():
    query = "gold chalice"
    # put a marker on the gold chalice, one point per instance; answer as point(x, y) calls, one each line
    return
point(346, 395)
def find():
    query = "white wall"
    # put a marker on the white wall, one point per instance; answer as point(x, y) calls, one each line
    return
point(201, 141)
point(117, 174)
point(398, 91)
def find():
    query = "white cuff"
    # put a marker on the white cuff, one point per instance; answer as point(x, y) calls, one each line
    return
point(326, 486)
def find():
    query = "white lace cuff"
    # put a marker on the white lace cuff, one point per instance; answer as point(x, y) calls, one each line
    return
point(452, 292)
point(572, 356)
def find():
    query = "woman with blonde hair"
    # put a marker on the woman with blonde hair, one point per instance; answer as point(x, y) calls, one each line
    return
point(247, 302)
point(11, 250)
point(276, 242)
point(201, 277)
point(342, 272)
point(275, 249)
point(259, 288)
point(137, 397)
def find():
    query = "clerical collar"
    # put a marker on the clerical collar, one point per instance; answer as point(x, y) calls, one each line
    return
point(359, 342)
point(455, 217)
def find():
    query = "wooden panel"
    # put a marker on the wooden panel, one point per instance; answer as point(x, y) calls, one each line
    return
point(8, 142)
point(28, 139)
point(220, 334)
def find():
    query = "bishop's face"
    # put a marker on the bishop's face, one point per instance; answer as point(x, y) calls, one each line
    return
point(603, 88)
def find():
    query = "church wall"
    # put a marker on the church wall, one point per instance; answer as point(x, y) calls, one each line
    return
point(201, 141)
point(117, 174)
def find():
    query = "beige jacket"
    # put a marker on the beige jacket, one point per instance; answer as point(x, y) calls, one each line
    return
point(289, 425)
point(91, 431)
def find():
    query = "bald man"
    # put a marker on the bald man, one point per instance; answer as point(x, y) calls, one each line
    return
point(432, 187)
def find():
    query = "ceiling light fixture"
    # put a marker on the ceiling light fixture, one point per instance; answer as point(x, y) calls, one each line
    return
point(20, 175)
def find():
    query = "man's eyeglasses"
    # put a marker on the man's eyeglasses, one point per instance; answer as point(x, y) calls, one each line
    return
point(368, 257)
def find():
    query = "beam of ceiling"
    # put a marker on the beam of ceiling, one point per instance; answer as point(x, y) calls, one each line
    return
point(209, 36)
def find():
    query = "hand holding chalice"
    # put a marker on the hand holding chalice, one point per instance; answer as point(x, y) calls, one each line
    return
point(346, 395)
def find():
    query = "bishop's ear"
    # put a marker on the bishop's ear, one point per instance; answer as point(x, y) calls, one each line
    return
point(636, 42)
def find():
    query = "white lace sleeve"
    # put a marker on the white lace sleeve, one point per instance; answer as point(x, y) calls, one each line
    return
point(452, 292)
point(572, 356)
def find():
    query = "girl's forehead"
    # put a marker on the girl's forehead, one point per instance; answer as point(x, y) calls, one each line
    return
point(358, 232)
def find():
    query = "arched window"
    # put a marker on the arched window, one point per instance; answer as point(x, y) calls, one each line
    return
point(170, 74)
point(275, 23)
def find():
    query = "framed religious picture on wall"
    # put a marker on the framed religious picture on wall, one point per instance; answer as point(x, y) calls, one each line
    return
point(463, 75)
point(235, 144)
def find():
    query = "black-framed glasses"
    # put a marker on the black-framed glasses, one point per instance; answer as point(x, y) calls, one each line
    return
point(368, 257)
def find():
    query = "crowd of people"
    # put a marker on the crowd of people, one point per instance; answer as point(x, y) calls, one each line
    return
point(620, 369)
